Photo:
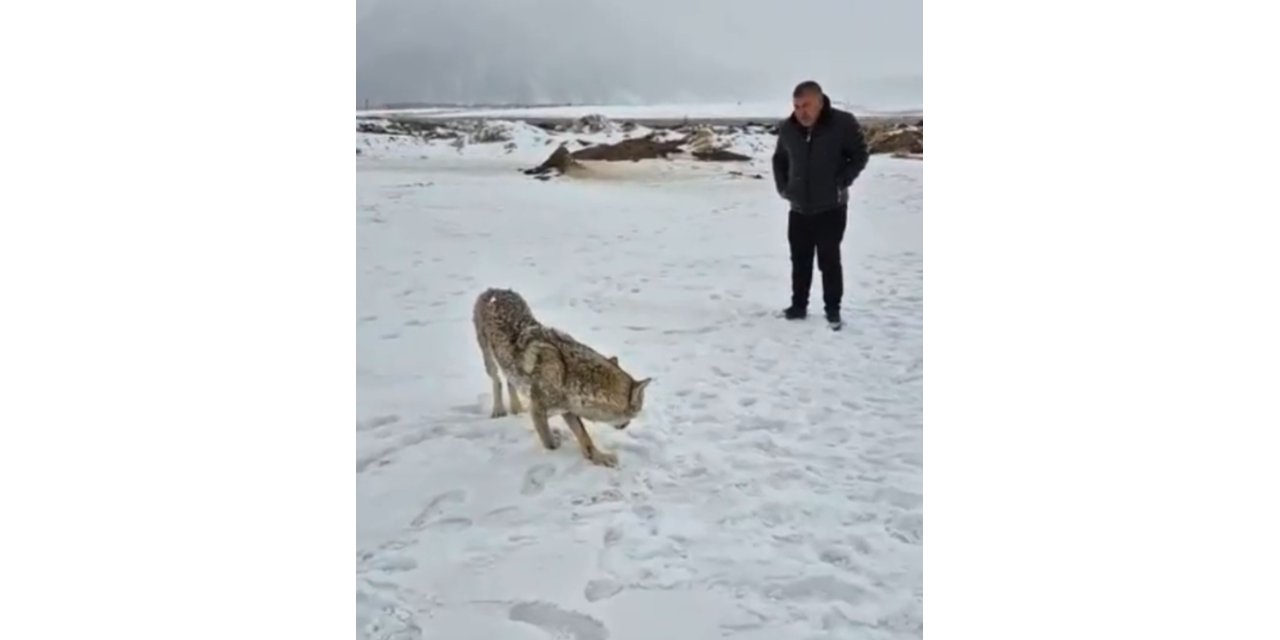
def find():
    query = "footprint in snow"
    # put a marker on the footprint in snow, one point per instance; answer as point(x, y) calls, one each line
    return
point(376, 422)
point(450, 524)
point(601, 590)
point(436, 505)
point(612, 535)
point(535, 479)
point(559, 623)
point(394, 564)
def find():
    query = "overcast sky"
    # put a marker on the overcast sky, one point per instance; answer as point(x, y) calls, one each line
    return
point(866, 52)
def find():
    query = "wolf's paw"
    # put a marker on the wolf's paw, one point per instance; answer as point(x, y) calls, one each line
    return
point(498, 412)
point(603, 458)
point(554, 443)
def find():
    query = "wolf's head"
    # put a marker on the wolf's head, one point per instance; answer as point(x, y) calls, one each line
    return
point(618, 398)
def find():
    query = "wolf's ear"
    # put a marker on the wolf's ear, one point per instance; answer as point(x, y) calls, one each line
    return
point(637, 392)
point(613, 359)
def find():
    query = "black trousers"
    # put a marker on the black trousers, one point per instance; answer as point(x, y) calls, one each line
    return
point(820, 233)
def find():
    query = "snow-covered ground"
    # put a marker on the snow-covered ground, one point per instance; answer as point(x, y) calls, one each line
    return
point(773, 487)
point(763, 111)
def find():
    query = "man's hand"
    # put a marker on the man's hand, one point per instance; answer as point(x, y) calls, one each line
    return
point(842, 196)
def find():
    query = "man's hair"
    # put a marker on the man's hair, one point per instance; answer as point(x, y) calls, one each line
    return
point(806, 87)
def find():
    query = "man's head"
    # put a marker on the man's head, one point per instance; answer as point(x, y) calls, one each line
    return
point(807, 100)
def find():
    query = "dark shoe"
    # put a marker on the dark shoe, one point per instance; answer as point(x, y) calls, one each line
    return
point(833, 320)
point(795, 313)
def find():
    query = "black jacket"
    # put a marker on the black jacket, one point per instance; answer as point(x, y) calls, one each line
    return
point(814, 167)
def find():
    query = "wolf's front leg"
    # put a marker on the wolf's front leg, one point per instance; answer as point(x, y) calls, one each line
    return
point(589, 450)
point(538, 412)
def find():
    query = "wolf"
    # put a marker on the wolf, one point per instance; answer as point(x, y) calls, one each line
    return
point(558, 374)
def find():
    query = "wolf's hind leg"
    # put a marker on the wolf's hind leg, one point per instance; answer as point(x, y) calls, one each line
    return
point(491, 368)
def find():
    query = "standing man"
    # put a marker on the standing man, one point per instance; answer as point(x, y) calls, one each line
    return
point(820, 152)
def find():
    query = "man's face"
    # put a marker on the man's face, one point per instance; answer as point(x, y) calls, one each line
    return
point(807, 107)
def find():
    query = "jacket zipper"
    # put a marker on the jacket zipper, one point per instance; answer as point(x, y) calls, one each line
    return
point(808, 162)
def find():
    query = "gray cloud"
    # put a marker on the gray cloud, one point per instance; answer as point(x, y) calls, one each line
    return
point(866, 52)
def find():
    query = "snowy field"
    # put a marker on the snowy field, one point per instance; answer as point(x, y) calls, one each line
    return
point(762, 111)
point(773, 487)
